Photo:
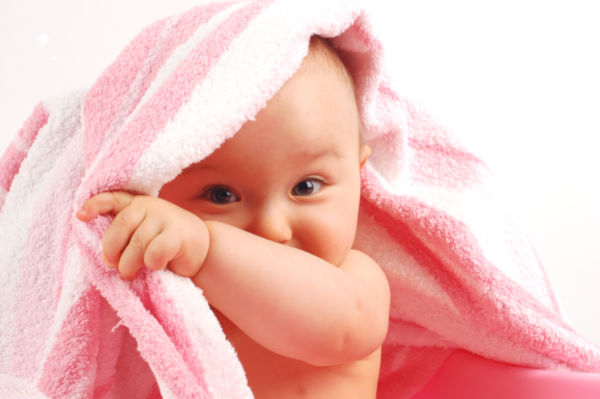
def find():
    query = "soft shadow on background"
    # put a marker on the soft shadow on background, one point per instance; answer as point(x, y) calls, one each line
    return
point(518, 81)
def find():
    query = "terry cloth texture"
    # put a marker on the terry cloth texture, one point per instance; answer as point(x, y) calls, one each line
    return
point(461, 274)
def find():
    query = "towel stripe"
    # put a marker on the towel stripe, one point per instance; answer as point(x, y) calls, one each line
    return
point(15, 154)
point(70, 325)
point(169, 60)
point(202, 337)
point(143, 58)
point(63, 361)
point(42, 261)
point(19, 225)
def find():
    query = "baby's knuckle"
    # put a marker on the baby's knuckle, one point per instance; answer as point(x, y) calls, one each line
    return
point(153, 259)
point(121, 222)
point(137, 200)
point(114, 197)
point(137, 243)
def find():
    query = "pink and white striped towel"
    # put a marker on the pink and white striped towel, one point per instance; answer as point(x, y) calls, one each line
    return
point(461, 274)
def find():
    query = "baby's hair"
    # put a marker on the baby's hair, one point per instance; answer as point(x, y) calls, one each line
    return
point(322, 51)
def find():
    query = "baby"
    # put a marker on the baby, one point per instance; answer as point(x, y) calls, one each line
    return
point(265, 227)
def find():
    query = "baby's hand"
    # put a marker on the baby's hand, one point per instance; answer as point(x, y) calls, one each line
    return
point(148, 231)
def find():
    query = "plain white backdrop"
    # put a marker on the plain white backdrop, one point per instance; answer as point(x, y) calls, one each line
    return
point(517, 80)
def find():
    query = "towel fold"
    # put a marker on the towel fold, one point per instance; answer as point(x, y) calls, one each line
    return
point(462, 275)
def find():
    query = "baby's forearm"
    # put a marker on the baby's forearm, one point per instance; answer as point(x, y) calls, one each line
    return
point(292, 302)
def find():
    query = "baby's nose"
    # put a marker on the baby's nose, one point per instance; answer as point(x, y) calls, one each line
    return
point(271, 223)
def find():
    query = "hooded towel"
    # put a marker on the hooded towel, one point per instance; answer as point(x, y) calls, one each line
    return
point(461, 273)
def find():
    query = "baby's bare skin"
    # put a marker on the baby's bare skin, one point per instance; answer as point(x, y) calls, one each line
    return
point(272, 376)
point(265, 226)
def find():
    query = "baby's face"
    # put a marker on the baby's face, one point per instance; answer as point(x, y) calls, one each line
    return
point(290, 176)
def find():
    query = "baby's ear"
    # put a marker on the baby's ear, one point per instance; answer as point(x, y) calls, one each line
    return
point(365, 151)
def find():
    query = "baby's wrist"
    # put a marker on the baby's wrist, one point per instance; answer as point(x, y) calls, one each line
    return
point(205, 245)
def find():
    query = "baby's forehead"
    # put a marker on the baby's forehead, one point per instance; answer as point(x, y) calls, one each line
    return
point(304, 126)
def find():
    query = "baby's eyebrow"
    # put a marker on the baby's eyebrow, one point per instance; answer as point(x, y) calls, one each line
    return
point(322, 152)
point(199, 166)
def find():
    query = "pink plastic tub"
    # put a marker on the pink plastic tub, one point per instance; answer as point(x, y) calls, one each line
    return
point(465, 375)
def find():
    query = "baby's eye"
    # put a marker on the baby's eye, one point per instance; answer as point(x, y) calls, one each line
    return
point(220, 195)
point(307, 187)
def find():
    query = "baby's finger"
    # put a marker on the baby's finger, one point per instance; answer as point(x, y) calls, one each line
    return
point(119, 232)
point(132, 258)
point(164, 247)
point(110, 201)
point(188, 258)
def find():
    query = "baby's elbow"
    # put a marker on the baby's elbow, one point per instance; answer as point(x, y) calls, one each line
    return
point(357, 340)
point(367, 336)
point(348, 347)
point(368, 327)
point(361, 327)
point(364, 326)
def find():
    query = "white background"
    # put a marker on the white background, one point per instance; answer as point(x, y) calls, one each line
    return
point(519, 81)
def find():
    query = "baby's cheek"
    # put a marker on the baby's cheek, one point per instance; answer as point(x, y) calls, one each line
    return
point(335, 243)
point(337, 232)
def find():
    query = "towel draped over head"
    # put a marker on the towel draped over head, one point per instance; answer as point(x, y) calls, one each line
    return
point(461, 273)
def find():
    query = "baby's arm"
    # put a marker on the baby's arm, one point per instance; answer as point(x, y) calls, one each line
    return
point(289, 301)
point(295, 303)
